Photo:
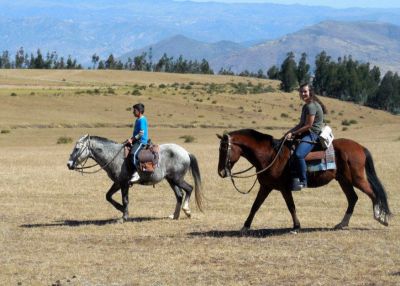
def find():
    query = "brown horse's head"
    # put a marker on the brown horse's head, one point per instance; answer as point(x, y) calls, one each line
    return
point(229, 154)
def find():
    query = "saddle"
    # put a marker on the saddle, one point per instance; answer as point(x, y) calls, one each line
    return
point(148, 158)
point(320, 158)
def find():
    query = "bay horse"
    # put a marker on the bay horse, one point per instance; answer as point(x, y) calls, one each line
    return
point(355, 168)
point(174, 162)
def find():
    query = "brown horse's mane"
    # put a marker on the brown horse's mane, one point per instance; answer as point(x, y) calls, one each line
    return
point(254, 134)
point(258, 136)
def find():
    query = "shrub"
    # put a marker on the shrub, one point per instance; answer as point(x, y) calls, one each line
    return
point(110, 90)
point(346, 122)
point(13, 94)
point(162, 86)
point(5, 131)
point(188, 138)
point(64, 140)
point(349, 122)
point(136, 92)
point(284, 115)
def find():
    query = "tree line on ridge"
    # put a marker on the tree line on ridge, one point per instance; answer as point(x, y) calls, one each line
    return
point(345, 79)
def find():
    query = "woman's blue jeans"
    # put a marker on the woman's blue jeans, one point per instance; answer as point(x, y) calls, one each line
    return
point(301, 152)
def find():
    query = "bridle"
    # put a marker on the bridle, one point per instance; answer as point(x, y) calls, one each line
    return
point(82, 167)
point(228, 164)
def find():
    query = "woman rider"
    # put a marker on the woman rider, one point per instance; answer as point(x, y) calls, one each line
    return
point(311, 123)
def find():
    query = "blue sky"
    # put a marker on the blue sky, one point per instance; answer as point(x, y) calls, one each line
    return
point(330, 3)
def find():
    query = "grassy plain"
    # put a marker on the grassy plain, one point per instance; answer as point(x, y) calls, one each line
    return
point(56, 227)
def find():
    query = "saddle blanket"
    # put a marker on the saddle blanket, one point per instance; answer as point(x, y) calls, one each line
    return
point(326, 163)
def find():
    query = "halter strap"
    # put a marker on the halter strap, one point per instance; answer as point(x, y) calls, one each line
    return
point(81, 169)
point(235, 175)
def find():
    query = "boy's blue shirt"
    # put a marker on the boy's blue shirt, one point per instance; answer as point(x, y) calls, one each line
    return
point(141, 124)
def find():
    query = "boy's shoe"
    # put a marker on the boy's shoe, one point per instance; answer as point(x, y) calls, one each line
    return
point(135, 178)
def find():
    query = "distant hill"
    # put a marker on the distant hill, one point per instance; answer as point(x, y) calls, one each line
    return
point(189, 48)
point(82, 28)
point(377, 43)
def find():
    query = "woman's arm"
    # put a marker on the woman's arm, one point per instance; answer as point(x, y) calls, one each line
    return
point(299, 129)
point(307, 125)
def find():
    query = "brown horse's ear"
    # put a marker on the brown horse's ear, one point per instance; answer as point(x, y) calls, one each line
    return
point(219, 136)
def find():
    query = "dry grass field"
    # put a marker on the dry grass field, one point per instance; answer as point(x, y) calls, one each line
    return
point(56, 228)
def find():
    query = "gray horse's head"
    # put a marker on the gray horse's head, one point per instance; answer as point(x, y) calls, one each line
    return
point(80, 153)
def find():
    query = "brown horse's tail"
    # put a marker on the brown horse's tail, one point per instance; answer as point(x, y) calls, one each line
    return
point(377, 187)
point(194, 168)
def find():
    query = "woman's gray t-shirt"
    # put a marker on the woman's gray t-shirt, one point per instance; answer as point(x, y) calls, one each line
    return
point(313, 108)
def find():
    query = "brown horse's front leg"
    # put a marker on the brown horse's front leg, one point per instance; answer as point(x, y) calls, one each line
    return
point(287, 195)
point(261, 196)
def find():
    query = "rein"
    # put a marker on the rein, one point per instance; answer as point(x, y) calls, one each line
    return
point(81, 169)
point(235, 175)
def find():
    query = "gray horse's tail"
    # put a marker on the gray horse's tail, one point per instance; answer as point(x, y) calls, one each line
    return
point(194, 168)
point(377, 187)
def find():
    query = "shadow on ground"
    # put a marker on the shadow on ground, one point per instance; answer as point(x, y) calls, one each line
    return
point(100, 222)
point(268, 232)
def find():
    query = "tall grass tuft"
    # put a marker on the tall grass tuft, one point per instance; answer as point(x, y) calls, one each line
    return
point(188, 138)
point(64, 140)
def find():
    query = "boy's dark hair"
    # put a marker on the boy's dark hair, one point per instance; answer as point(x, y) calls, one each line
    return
point(139, 107)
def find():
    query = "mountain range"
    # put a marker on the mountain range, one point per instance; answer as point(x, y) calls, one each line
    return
point(81, 28)
point(374, 42)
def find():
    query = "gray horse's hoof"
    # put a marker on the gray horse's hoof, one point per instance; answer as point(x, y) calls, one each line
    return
point(187, 212)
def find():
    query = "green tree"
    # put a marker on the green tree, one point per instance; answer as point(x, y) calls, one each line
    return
point(38, 61)
point(322, 66)
point(19, 58)
point(288, 75)
point(273, 72)
point(110, 62)
point(205, 67)
point(224, 71)
point(5, 62)
point(95, 60)
point(387, 96)
point(140, 62)
point(303, 70)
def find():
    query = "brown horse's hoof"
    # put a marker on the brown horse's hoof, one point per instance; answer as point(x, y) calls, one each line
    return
point(339, 226)
point(244, 231)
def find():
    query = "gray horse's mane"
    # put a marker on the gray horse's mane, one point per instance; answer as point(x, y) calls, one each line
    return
point(103, 140)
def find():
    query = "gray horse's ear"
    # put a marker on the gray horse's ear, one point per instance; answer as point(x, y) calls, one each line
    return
point(219, 136)
point(83, 138)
